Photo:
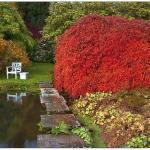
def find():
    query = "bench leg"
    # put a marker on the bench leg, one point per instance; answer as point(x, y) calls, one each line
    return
point(16, 76)
point(7, 75)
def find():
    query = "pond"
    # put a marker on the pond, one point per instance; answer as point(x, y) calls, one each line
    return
point(19, 116)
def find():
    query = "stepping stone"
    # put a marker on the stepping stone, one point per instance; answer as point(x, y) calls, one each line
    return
point(59, 141)
point(51, 121)
point(45, 85)
point(47, 99)
point(49, 91)
point(56, 107)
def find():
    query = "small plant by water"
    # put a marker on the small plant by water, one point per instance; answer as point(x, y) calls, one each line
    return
point(84, 134)
point(62, 128)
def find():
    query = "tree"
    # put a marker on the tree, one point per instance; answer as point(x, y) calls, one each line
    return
point(12, 27)
point(34, 13)
point(63, 14)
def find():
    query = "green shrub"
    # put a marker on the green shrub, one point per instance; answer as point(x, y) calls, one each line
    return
point(84, 134)
point(61, 128)
point(138, 142)
point(43, 52)
point(12, 27)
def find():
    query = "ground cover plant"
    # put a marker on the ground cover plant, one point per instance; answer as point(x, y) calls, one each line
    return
point(96, 138)
point(124, 121)
point(107, 54)
point(37, 72)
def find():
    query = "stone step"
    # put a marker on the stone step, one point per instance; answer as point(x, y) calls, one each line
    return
point(56, 107)
point(54, 103)
point(59, 141)
point(45, 85)
point(47, 99)
point(49, 91)
point(51, 121)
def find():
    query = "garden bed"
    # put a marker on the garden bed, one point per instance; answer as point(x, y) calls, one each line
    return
point(124, 118)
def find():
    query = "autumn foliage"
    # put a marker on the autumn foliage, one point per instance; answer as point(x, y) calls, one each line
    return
point(103, 54)
point(11, 52)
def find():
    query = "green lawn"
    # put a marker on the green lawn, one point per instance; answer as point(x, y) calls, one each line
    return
point(37, 72)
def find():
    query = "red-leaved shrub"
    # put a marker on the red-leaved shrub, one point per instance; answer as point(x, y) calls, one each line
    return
point(103, 54)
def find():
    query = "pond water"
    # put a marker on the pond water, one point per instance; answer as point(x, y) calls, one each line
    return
point(19, 116)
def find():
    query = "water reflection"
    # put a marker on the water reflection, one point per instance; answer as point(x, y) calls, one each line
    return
point(16, 97)
point(19, 115)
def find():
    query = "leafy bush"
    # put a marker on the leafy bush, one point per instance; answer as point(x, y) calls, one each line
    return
point(61, 128)
point(139, 142)
point(11, 52)
point(84, 134)
point(103, 54)
point(43, 52)
point(12, 27)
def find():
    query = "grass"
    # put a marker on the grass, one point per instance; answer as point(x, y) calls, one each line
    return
point(37, 72)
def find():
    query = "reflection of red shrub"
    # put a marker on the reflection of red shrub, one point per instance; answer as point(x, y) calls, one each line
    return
point(103, 54)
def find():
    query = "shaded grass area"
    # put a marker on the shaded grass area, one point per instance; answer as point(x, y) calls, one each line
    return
point(95, 131)
point(37, 72)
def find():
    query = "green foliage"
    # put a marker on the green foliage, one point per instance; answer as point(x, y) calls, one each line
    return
point(58, 13)
point(63, 14)
point(34, 13)
point(84, 134)
point(139, 142)
point(43, 52)
point(94, 130)
point(12, 27)
point(61, 128)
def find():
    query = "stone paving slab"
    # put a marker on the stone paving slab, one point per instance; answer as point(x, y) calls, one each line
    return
point(49, 91)
point(56, 107)
point(45, 85)
point(59, 141)
point(51, 121)
point(47, 99)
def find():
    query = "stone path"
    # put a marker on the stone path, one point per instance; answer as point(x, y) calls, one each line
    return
point(57, 111)
point(59, 141)
point(54, 104)
point(51, 121)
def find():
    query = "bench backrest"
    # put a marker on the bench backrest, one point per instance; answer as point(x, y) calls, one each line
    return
point(16, 66)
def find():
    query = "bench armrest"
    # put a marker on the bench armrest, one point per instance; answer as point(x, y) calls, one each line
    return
point(8, 67)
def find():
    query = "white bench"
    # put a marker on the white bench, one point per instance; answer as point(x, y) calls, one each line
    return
point(15, 69)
